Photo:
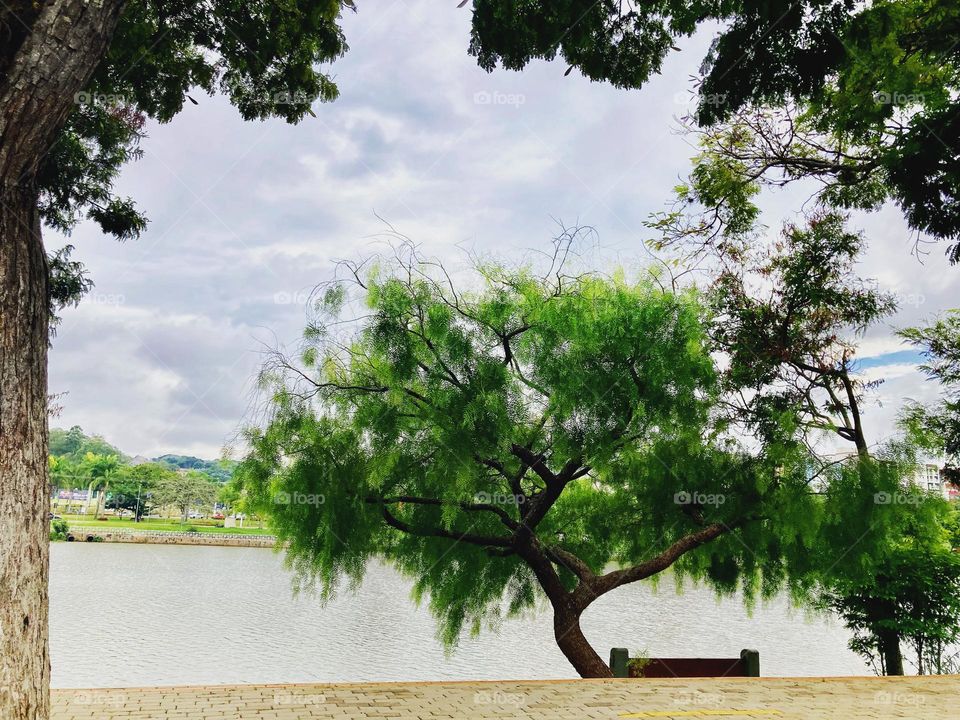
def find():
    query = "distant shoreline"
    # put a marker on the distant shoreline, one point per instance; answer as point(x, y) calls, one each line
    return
point(93, 533)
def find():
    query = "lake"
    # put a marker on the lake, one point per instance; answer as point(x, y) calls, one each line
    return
point(126, 615)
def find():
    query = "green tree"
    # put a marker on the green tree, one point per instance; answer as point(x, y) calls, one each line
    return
point(133, 489)
point(101, 470)
point(64, 473)
point(909, 592)
point(185, 490)
point(861, 97)
point(538, 437)
point(937, 428)
point(788, 317)
point(78, 79)
point(66, 442)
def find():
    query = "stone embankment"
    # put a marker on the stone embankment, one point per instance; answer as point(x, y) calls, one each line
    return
point(165, 537)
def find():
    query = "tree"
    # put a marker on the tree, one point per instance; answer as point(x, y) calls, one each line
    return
point(74, 444)
point(64, 473)
point(937, 428)
point(862, 97)
point(101, 469)
point(77, 80)
point(133, 489)
point(788, 318)
point(66, 442)
point(185, 490)
point(910, 593)
point(516, 442)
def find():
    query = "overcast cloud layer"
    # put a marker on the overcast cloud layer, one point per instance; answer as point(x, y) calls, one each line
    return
point(247, 217)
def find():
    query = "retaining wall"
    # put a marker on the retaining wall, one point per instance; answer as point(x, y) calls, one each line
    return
point(167, 537)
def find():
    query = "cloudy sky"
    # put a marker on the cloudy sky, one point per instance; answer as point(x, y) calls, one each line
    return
point(247, 217)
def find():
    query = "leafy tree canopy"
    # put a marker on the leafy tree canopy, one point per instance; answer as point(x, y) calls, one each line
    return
point(184, 490)
point(517, 440)
point(862, 97)
point(265, 57)
point(73, 444)
point(937, 428)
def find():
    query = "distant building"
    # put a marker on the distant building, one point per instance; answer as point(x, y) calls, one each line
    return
point(928, 476)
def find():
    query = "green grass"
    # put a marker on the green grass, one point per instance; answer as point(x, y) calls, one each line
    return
point(165, 525)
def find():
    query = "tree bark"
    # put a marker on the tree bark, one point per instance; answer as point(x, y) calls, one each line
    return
point(24, 533)
point(889, 642)
point(55, 60)
point(575, 646)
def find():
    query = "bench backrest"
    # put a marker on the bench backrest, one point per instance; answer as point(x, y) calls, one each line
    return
point(747, 665)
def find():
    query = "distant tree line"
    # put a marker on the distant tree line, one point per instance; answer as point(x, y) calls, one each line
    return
point(90, 463)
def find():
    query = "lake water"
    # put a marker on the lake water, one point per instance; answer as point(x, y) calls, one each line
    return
point(135, 615)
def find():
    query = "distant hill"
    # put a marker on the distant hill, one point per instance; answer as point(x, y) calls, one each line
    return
point(220, 470)
point(74, 444)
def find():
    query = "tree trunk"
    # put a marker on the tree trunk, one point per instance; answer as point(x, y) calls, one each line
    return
point(890, 648)
point(24, 502)
point(44, 68)
point(575, 647)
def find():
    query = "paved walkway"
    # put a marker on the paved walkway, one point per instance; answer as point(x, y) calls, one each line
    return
point(929, 698)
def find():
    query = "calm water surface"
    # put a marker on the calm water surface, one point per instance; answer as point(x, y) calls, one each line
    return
point(133, 615)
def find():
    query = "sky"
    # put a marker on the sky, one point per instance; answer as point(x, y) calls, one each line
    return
point(247, 217)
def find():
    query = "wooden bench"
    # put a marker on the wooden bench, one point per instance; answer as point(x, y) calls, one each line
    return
point(747, 665)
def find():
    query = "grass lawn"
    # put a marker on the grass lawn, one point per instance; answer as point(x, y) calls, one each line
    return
point(167, 524)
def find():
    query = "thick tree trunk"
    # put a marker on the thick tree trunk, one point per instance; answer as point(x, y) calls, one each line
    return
point(892, 655)
point(54, 60)
point(575, 647)
point(24, 533)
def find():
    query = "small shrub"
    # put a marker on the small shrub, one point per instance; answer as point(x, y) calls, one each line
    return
point(638, 663)
point(59, 530)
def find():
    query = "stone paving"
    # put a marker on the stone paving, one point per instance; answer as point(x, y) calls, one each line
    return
point(926, 698)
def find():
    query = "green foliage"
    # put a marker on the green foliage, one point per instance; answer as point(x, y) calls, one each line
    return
point(59, 530)
point(74, 445)
point(862, 97)
point(906, 582)
point(604, 39)
point(219, 470)
point(938, 428)
point(133, 488)
point(184, 490)
point(461, 435)
point(787, 318)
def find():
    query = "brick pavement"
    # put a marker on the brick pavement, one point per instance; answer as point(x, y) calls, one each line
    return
point(926, 698)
